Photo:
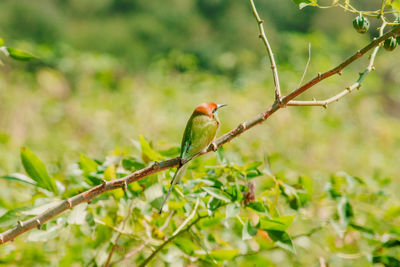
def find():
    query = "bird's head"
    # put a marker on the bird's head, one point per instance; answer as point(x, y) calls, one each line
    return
point(208, 109)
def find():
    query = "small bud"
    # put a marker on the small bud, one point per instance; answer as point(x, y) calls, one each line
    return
point(20, 223)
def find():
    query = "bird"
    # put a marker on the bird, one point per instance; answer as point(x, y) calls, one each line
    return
point(199, 133)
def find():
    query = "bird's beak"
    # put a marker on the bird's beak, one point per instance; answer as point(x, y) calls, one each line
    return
point(221, 105)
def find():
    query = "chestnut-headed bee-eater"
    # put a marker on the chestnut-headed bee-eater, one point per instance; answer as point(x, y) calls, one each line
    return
point(200, 132)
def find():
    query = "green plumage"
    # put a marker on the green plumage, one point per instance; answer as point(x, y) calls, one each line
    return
point(200, 131)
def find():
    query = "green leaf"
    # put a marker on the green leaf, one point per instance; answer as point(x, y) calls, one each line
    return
point(396, 5)
point(87, 165)
point(391, 243)
point(11, 216)
point(278, 224)
point(257, 206)
point(248, 231)
point(345, 211)
point(282, 239)
point(387, 261)
point(131, 164)
point(232, 210)
point(78, 214)
point(186, 245)
point(41, 235)
point(1, 42)
point(37, 170)
point(20, 178)
point(221, 255)
point(213, 204)
point(148, 152)
point(19, 54)
point(303, 3)
point(217, 193)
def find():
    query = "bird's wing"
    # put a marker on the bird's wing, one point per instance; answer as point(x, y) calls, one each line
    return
point(200, 134)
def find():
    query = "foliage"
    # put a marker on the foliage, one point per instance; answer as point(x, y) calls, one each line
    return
point(238, 207)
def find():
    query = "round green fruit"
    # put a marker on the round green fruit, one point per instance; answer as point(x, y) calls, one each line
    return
point(390, 44)
point(361, 24)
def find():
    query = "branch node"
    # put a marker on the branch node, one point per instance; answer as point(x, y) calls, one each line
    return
point(261, 21)
point(260, 36)
point(125, 186)
point(1, 239)
point(348, 88)
point(156, 165)
point(69, 203)
point(340, 72)
point(325, 106)
point(273, 67)
point(319, 75)
point(104, 184)
point(241, 127)
point(214, 146)
point(373, 68)
point(39, 226)
point(359, 54)
point(20, 224)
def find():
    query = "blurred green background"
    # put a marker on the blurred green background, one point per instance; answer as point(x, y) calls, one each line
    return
point(111, 70)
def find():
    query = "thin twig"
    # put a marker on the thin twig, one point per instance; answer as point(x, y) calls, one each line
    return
point(188, 218)
point(308, 63)
point(156, 167)
point(349, 89)
point(278, 95)
point(143, 245)
point(148, 259)
point(114, 247)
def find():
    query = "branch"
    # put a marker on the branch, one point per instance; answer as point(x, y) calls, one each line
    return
point(278, 96)
point(148, 259)
point(349, 89)
point(114, 247)
point(156, 167)
point(143, 245)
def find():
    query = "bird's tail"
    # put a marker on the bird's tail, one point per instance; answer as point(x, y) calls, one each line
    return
point(175, 180)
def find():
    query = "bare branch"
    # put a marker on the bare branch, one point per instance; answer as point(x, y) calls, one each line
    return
point(278, 95)
point(156, 167)
point(348, 90)
point(307, 64)
point(143, 245)
point(148, 259)
point(114, 247)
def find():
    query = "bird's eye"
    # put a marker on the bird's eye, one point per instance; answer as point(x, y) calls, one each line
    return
point(214, 110)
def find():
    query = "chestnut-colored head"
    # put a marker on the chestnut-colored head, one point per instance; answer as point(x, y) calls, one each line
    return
point(208, 108)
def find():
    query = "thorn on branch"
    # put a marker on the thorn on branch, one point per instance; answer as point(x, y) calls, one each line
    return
point(20, 224)
point(325, 106)
point(156, 165)
point(69, 203)
point(214, 146)
point(104, 184)
point(242, 127)
point(39, 226)
point(319, 75)
point(340, 72)
point(359, 54)
point(125, 186)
